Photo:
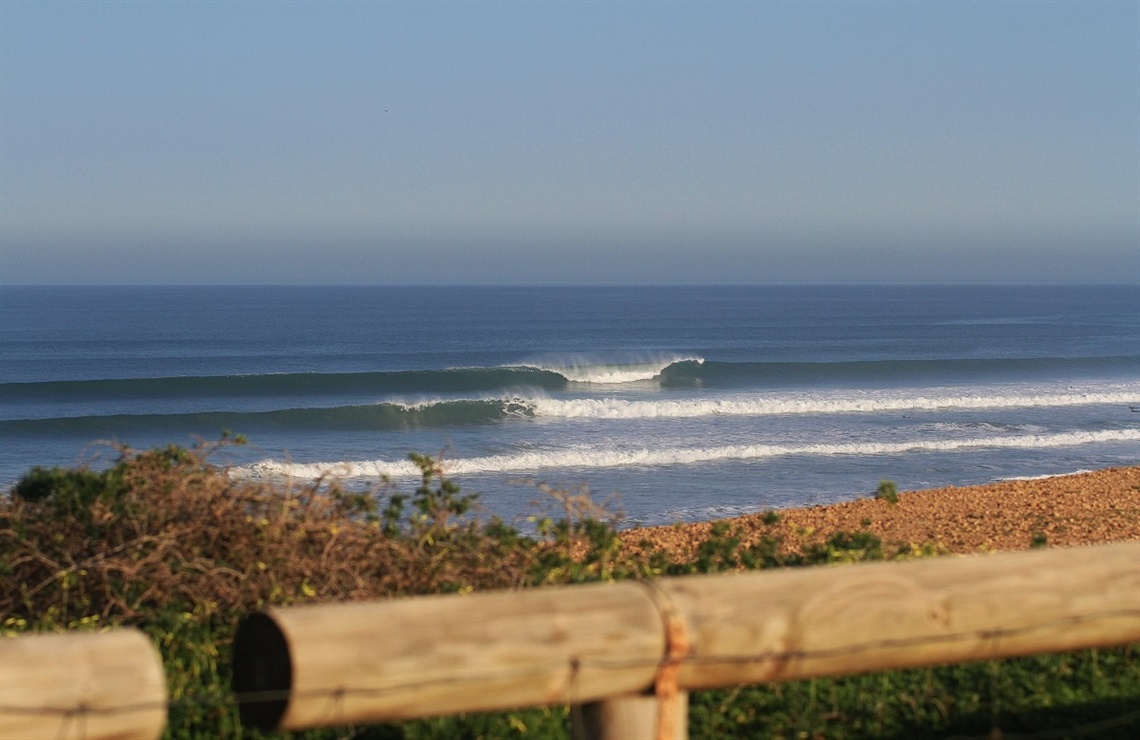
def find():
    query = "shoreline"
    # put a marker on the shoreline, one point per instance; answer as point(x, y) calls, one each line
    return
point(1083, 508)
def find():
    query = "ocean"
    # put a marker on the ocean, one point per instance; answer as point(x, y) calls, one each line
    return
point(669, 403)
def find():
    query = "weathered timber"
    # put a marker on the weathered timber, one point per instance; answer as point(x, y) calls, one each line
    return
point(368, 662)
point(89, 685)
point(357, 663)
point(805, 623)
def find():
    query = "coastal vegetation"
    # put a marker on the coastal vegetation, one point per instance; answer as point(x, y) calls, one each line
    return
point(887, 491)
point(166, 541)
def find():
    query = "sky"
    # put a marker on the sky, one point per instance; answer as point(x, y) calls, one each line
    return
point(584, 142)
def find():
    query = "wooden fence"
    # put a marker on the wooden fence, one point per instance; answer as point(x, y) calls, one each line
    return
point(626, 654)
point(606, 645)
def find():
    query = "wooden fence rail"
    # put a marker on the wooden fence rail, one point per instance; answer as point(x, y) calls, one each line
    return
point(605, 645)
point(86, 685)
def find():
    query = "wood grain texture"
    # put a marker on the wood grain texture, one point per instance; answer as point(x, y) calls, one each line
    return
point(90, 685)
point(839, 620)
point(367, 662)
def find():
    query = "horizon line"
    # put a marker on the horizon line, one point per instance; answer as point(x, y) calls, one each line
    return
point(572, 284)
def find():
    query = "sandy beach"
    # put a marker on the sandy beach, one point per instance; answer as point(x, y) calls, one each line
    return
point(1083, 508)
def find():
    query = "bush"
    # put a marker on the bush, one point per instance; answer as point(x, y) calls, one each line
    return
point(71, 492)
point(887, 491)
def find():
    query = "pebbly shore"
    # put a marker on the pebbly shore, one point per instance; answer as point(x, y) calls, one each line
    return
point(1059, 511)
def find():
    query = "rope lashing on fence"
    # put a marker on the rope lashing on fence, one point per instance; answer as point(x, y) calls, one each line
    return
point(677, 647)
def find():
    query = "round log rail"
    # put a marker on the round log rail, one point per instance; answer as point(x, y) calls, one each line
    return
point(812, 622)
point(314, 666)
point(89, 685)
point(367, 662)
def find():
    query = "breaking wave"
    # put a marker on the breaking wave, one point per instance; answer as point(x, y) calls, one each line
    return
point(594, 458)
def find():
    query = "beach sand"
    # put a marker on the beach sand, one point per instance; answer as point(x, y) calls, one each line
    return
point(1083, 508)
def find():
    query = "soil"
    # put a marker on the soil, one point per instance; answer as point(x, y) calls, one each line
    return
point(1061, 511)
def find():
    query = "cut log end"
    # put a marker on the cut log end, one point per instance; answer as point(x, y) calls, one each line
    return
point(262, 672)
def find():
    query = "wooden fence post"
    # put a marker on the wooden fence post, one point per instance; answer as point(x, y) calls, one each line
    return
point(88, 685)
point(629, 717)
point(660, 714)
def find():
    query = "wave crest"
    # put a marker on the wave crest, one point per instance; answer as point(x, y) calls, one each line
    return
point(593, 372)
point(838, 402)
point(595, 458)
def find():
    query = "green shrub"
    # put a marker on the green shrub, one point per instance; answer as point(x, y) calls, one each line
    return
point(887, 491)
point(70, 491)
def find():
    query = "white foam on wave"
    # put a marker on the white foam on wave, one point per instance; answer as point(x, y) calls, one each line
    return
point(817, 403)
point(593, 457)
point(1044, 477)
point(419, 404)
point(594, 372)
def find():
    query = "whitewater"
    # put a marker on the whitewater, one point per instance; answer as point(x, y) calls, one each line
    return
point(609, 458)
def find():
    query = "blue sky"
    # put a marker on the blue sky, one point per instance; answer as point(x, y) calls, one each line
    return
point(222, 142)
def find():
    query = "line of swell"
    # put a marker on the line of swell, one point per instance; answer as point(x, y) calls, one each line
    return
point(284, 385)
point(684, 372)
point(341, 418)
point(610, 458)
point(871, 372)
point(433, 413)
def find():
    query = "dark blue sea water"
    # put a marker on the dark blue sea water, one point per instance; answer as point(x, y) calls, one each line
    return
point(687, 402)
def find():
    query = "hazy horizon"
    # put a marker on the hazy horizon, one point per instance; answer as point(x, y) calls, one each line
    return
point(569, 144)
